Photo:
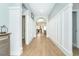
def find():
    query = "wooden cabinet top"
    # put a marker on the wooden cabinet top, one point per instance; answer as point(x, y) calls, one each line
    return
point(4, 34)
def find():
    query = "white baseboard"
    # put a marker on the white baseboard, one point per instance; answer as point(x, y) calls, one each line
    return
point(27, 43)
point(18, 53)
point(64, 50)
point(34, 35)
point(61, 48)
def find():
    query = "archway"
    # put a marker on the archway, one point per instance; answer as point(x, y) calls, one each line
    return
point(41, 25)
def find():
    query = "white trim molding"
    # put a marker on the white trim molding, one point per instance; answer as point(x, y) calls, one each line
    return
point(61, 47)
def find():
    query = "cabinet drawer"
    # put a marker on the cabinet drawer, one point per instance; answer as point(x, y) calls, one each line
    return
point(2, 42)
point(3, 37)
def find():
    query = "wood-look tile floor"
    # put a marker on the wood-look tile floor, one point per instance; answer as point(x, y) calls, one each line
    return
point(41, 46)
point(75, 51)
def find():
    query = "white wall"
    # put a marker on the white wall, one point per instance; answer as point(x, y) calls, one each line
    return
point(10, 15)
point(30, 30)
point(15, 28)
point(59, 29)
point(56, 9)
point(4, 18)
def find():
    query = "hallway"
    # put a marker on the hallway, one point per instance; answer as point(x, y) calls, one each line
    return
point(58, 21)
point(41, 46)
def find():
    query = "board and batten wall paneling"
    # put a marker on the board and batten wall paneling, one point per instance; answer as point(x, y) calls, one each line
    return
point(59, 29)
point(30, 30)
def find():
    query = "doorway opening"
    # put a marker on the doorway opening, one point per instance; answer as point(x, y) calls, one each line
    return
point(23, 30)
point(41, 26)
point(75, 40)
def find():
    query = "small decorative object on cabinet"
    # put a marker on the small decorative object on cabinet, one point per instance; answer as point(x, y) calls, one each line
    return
point(4, 29)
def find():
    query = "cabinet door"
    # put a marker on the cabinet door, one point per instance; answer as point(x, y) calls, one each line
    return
point(4, 46)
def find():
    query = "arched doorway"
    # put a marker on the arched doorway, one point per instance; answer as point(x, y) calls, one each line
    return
point(41, 25)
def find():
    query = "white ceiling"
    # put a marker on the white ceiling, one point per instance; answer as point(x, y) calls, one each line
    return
point(40, 9)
